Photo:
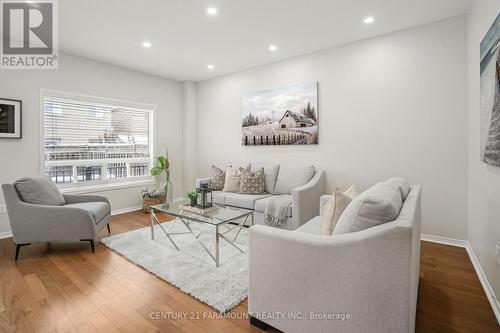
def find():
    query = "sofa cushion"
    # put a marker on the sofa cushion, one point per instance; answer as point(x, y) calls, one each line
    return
point(291, 177)
point(243, 200)
point(99, 210)
point(219, 197)
point(39, 191)
point(270, 174)
point(377, 205)
point(402, 184)
point(260, 205)
point(252, 182)
point(312, 227)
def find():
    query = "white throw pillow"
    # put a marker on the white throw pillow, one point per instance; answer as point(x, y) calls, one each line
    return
point(233, 178)
point(352, 192)
point(290, 177)
point(377, 205)
point(334, 208)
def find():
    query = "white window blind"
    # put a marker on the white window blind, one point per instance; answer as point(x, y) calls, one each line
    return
point(95, 141)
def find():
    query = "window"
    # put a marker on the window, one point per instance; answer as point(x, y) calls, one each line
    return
point(95, 141)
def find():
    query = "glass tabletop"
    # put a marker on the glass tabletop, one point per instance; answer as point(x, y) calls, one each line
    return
point(219, 215)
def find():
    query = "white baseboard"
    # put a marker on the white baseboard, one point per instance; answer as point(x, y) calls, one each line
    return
point(5, 234)
point(444, 240)
point(495, 305)
point(125, 210)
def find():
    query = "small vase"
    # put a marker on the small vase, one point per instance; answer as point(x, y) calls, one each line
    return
point(169, 190)
point(192, 202)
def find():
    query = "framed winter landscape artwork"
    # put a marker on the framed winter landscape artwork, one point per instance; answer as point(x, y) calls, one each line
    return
point(10, 118)
point(281, 116)
point(490, 95)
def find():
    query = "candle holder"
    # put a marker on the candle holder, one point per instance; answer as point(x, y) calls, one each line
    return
point(205, 200)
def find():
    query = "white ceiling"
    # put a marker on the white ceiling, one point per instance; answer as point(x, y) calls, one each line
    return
point(184, 39)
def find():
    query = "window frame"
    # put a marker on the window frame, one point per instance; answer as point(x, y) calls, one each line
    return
point(108, 184)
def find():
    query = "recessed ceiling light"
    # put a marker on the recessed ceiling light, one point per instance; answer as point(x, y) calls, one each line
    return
point(210, 67)
point(146, 45)
point(273, 47)
point(212, 11)
point(368, 20)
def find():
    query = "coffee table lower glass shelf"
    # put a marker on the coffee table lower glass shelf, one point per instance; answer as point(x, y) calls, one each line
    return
point(215, 220)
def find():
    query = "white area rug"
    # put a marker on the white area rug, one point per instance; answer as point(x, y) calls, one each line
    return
point(191, 269)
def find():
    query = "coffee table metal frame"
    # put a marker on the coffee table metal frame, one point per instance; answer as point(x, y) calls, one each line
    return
point(186, 221)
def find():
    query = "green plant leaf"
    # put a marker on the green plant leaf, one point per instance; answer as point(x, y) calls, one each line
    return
point(156, 171)
point(161, 161)
point(166, 165)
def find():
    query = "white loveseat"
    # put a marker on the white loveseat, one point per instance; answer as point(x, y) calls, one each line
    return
point(372, 275)
point(304, 186)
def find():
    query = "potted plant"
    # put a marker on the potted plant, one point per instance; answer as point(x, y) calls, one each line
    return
point(193, 197)
point(151, 198)
point(163, 166)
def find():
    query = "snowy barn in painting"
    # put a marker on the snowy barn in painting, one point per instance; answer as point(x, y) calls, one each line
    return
point(294, 119)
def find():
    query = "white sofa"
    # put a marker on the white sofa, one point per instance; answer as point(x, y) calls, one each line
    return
point(304, 185)
point(372, 275)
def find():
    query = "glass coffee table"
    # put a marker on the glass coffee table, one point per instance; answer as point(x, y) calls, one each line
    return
point(221, 216)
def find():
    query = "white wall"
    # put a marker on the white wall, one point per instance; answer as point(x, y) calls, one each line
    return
point(20, 158)
point(484, 180)
point(189, 134)
point(393, 105)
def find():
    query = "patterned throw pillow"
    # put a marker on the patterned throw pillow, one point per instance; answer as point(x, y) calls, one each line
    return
point(218, 178)
point(252, 182)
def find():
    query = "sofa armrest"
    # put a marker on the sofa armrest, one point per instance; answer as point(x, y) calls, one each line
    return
point(305, 199)
point(199, 181)
point(363, 274)
point(72, 199)
point(41, 223)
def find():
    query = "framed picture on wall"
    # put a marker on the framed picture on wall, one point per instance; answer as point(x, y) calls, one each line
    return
point(281, 116)
point(490, 95)
point(10, 118)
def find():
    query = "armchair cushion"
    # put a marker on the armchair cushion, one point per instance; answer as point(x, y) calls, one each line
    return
point(312, 227)
point(99, 210)
point(402, 184)
point(377, 205)
point(289, 178)
point(39, 190)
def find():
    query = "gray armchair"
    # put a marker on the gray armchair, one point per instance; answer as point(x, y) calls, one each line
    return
point(76, 218)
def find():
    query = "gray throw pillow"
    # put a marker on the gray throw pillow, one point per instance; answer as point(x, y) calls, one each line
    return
point(377, 205)
point(402, 184)
point(252, 182)
point(39, 190)
point(290, 177)
point(218, 178)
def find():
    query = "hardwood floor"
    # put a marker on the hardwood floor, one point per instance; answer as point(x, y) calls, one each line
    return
point(66, 288)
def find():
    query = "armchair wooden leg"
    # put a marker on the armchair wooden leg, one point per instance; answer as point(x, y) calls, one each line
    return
point(109, 230)
point(18, 247)
point(258, 323)
point(91, 241)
